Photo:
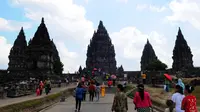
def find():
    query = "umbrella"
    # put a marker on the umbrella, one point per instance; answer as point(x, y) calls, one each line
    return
point(168, 77)
point(113, 76)
point(95, 69)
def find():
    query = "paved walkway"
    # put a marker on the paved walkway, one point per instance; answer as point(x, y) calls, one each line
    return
point(104, 105)
point(8, 101)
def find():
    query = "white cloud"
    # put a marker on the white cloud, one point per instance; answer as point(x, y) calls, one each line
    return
point(133, 43)
point(71, 60)
point(68, 18)
point(185, 11)
point(10, 25)
point(150, 7)
point(66, 22)
point(4, 50)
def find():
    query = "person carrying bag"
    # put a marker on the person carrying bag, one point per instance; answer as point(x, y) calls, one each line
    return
point(142, 100)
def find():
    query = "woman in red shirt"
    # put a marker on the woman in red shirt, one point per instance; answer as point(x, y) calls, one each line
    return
point(142, 100)
point(189, 103)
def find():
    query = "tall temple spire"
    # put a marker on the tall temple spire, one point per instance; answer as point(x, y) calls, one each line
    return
point(148, 55)
point(182, 56)
point(41, 36)
point(100, 52)
point(21, 40)
point(17, 56)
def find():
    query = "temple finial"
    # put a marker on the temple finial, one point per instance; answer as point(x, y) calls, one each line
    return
point(22, 28)
point(179, 31)
point(42, 20)
point(21, 31)
point(147, 41)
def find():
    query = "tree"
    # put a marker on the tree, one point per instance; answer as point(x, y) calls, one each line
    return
point(156, 65)
point(58, 67)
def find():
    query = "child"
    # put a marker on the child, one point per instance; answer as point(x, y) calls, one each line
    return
point(170, 104)
point(38, 91)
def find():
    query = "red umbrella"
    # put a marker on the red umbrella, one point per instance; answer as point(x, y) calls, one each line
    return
point(168, 77)
point(95, 69)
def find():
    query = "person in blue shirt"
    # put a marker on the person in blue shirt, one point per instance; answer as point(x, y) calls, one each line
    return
point(79, 97)
point(180, 83)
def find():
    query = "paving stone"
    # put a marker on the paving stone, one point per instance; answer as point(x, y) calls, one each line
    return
point(103, 105)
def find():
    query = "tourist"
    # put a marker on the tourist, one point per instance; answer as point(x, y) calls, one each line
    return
point(91, 90)
point(38, 91)
point(177, 98)
point(97, 91)
point(170, 106)
point(103, 89)
point(109, 83)
point(41, 87)
point(167, 83)
point(85, 91)
point(180, 83)
point(114, 80)
point(142, 100)
point(120, 103)
point(79, 97)
point(189, 103)
point(47, 87)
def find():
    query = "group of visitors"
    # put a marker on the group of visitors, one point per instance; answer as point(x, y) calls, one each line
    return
point(182, 99)
point(92, 87)
point(46, 85)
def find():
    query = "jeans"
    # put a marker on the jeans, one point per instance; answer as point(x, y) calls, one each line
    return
point(97, 95)
point(78, 103)
point(167, 87)
point(84, 96)
point(91, 95)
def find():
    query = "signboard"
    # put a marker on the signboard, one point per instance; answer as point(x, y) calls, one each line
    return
point(125, 75)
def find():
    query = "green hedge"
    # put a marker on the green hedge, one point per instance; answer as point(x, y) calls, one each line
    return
point(35, 104)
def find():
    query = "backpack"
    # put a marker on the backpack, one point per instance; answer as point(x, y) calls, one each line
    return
point(74, 93)
point(98, 89)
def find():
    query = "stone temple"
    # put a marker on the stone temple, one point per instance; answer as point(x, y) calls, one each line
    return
point(101, 52)
point(38, 59)
point(182, 55)
point(148, 55)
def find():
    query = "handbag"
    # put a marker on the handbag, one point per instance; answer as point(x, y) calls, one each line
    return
point(74, 93)
point(151, 109)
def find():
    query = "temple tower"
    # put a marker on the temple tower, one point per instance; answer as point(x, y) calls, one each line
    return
point(40, 52)
point(182, 56)
point(100, 52)
point(17, 57)
point(148, 55)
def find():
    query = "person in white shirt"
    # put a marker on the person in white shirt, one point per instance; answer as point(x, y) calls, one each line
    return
point(177, 98)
